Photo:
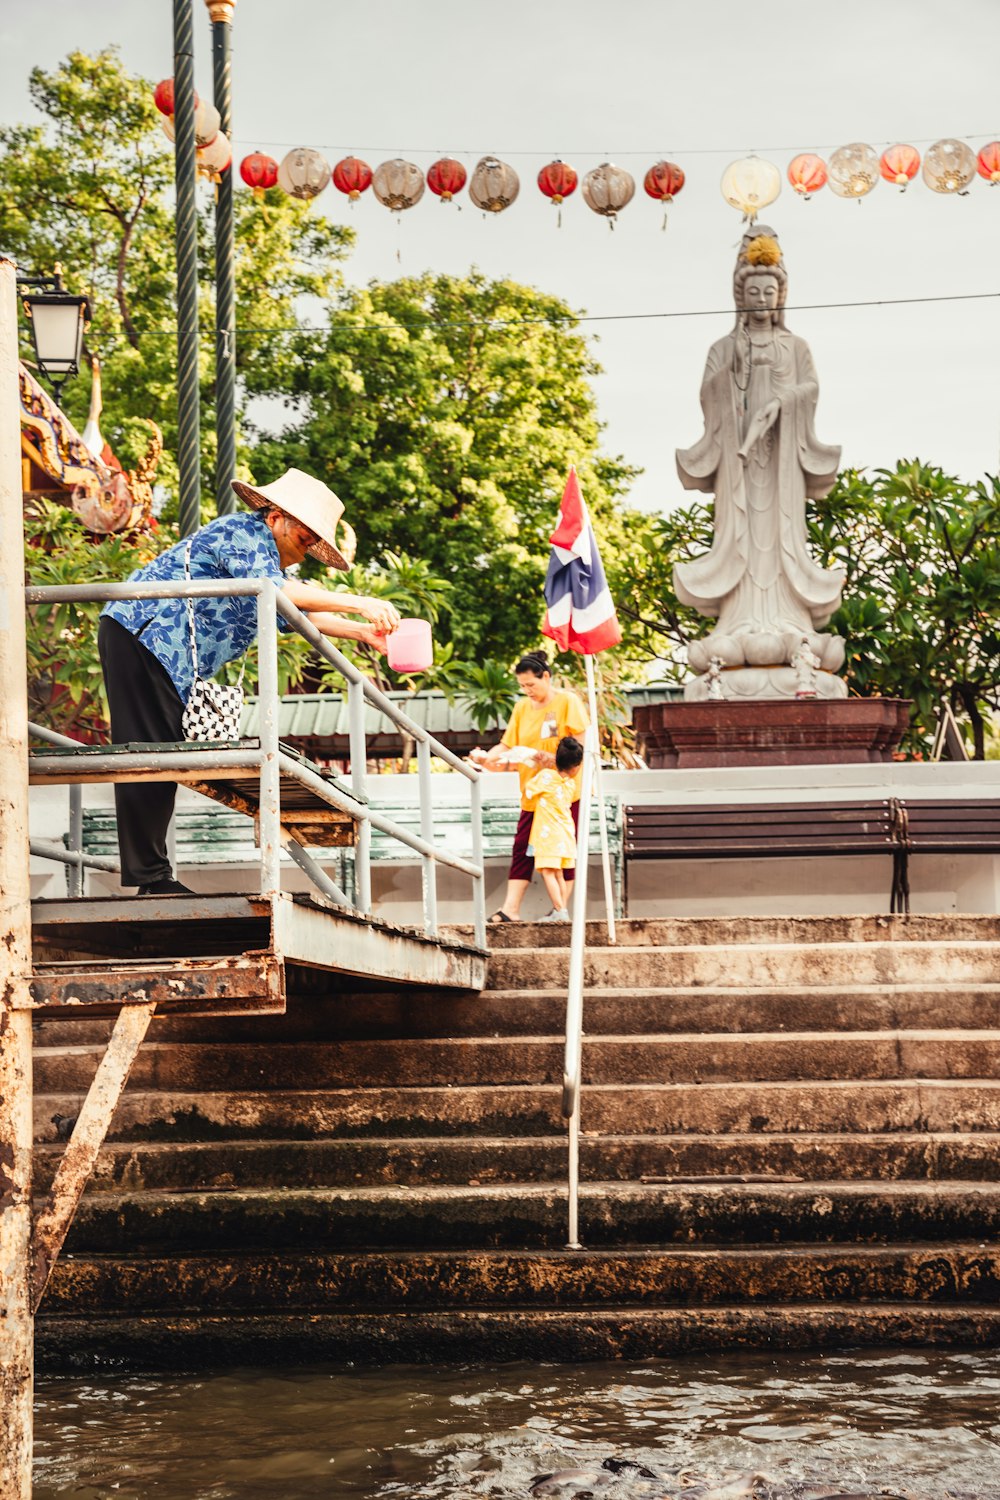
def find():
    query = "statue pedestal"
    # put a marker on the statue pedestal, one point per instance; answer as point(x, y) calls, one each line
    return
point(775, 732)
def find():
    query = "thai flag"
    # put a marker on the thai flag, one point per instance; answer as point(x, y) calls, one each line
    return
point(580, 614)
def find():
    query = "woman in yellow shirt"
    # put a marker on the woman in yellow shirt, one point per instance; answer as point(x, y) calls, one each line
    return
point(540, 720)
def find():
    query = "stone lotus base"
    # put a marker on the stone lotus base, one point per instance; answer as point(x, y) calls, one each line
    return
point(775, 732)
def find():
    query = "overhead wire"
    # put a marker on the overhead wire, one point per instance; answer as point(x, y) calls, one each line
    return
point(348, 322)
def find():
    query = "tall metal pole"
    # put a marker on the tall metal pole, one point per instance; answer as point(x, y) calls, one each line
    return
point(188, 395)
point(16, 1322)
point(221, 12)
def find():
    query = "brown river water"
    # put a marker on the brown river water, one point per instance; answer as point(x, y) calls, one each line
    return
point(910, 1423)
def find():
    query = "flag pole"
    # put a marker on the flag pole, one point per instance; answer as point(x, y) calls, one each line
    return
point(602, 816)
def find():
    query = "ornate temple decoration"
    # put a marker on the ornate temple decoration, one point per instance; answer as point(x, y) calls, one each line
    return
point(57, 464)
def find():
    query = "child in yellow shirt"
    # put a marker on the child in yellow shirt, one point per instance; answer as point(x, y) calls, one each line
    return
point(553, 837)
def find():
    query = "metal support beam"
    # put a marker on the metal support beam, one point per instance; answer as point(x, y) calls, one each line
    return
point(188, 393)
point(221, 12)
point(85, 1142)
point(316, 873)
point(16, 1321)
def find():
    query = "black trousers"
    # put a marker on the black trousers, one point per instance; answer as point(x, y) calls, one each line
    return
point(145, 707)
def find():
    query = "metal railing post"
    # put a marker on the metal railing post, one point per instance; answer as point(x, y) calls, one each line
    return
point(359, 784)
point(270, 771)
point(574, 996)
point(429, 865)
point(74, 873)
point(478, 858)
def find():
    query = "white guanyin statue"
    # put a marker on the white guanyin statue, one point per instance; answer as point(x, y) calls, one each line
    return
point(761, 459)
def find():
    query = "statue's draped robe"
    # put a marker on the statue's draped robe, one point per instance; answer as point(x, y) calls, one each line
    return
point(758, 574)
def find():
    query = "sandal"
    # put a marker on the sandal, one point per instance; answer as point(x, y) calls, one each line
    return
point(498, 918)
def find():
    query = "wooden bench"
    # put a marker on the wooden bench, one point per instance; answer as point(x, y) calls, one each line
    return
point(753, 830)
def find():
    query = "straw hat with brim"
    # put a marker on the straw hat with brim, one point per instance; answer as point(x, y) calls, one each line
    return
point(307, 500)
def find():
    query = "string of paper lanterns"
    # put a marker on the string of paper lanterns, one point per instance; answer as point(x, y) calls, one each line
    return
point(748, 185)
point(214, 153)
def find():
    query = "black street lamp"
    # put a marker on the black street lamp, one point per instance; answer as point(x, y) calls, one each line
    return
point(58, 320)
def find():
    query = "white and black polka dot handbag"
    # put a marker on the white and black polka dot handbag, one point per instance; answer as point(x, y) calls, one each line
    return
point(214, 709)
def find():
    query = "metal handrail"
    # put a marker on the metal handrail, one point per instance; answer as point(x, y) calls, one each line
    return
point(574, 993)
point(269, 759)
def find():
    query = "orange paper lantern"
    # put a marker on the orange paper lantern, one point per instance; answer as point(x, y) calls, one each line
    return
point(900, 164)
point(807, 174)
point(988, 163)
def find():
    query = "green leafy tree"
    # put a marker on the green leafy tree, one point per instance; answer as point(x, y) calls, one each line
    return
point(488, 693)
point(445, 411)
point(921, 606)
point(91, 186)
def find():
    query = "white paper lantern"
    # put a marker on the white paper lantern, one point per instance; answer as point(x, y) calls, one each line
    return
point(398, 184)
point(215, 158)
point(607, 189)
point(304, 173)
point(493, 185)
point(854, 170)
point(750, 185)
point(949, 166)
point(206, 124)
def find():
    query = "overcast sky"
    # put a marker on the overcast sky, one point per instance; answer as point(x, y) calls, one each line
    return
point(702, 83)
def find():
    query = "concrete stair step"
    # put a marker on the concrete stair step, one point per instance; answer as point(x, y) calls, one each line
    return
point(848, 1108)
point(769, 931)
point(627, 1059)
point(543, 1012)
point(531, 1215)
point(620, 1333)
point(415, 1280)
point(736, 966)
point(213, 1166)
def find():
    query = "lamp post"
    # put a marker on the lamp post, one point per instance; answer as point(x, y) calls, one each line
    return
point(58, 321)
point(188, 393)
point(221, 13)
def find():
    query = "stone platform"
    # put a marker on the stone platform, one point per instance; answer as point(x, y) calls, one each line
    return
point(770, 732)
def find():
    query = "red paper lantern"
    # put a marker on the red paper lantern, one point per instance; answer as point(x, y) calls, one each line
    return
point(988, 163)
point(163, 97)
point(807, 174)
point(352, 176)
point(662, 182)
point(446, 178)
point(557, 181)
point(259, 172)
point(900, 165)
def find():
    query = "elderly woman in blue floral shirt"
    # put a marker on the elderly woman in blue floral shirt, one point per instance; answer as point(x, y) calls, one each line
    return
point(146, 648)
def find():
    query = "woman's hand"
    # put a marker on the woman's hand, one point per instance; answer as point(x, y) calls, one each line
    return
point(374, 638)
point(384, 616)
point(544, 759)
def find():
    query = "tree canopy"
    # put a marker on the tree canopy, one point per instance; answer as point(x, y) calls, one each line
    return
point(91, 187)
point(445, 412)
point(921, 605)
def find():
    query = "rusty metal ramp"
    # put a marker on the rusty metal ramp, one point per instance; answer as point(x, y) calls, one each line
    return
point(222, 954)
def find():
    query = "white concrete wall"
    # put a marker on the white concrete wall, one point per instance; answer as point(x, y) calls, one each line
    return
point(832, 884)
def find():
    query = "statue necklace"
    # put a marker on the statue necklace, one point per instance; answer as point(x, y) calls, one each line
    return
point(764, 343)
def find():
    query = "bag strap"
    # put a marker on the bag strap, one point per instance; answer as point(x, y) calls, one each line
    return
point(190, 606)
point(190, 614)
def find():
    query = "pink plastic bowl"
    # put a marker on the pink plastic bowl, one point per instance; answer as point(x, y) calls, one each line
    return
point(410, 648)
